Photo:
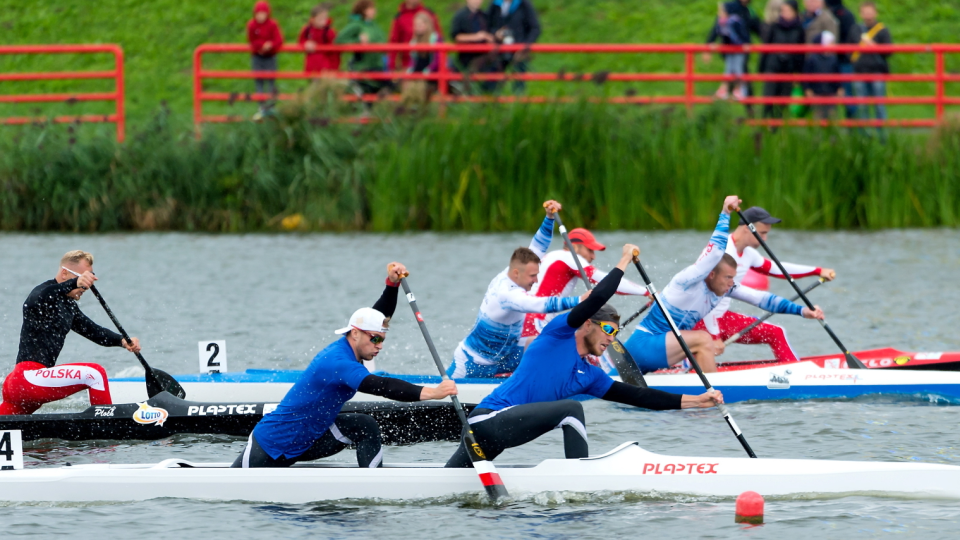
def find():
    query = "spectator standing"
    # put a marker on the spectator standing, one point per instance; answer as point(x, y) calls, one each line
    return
point(263, 34)
point(319, 31)
point(470, 26)
point(787, 30)
point(731, 30)
point(872, 33)
point(362, 29)
point(818, 20)
point(849, 35)
point(514, 22)
point(823, 63)
point(402, 31)
point(424, 34)
point(771, 13)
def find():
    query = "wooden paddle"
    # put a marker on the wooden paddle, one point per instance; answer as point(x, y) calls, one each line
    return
point(763, 319)
point(488, 474)
point(852, 361)
point(676, 332)
point(157, 381)
point(621, 358)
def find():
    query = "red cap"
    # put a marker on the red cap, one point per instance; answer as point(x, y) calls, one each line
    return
point(585, 237)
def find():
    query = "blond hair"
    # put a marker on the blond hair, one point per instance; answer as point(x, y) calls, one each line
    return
point(76, 256)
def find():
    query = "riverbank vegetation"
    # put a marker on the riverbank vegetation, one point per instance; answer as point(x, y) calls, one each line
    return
point(476, 168)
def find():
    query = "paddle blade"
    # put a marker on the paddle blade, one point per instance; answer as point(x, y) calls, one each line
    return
point(488, 474)
point(160, 381)
point(853, 362)
point(625, 364)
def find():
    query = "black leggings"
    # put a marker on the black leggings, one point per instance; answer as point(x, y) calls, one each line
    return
point(348, 429)
point(498, 430)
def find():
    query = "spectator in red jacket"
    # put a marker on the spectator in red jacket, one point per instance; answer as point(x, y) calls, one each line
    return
point(402, 31)
point(263, 34)
point(319, 31)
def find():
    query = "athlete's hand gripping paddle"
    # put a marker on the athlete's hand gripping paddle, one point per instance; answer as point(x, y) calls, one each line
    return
point(489, 476)
point(852, 361)
point(626, 366)
point(763, 319)
point(157, 381)
point(676, 332)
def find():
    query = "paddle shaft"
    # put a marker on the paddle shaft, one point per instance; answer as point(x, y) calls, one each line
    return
point(686, 350)
point(763, 319)
point(489, 476)
point(852, 361)
point(628, 368)
point(639, 312)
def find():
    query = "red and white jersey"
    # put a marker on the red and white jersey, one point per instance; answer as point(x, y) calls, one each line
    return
point(751, 258)
point(558, 277)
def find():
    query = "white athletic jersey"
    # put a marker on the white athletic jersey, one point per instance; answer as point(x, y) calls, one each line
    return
point(688, 298)
point(752, 259)
point(499, 322)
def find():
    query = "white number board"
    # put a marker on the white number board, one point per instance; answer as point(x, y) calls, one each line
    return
point(11, 450)
point(213, 356)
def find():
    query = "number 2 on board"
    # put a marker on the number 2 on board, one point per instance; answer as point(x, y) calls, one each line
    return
point(213, 356)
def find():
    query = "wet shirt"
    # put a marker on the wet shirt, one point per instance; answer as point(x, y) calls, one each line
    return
point(48, 315)
point(313, 403)
point(551, 370)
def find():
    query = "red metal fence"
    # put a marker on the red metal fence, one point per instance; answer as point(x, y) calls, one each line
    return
point(116, 74)
point(686, 74)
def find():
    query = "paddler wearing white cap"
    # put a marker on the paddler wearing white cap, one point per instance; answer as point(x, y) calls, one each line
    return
point(308, 425)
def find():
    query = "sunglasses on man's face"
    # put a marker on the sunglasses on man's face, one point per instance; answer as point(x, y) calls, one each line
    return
point(608, 328)
point(375, 339)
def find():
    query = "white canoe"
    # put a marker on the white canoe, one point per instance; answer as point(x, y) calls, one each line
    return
point(800, 380)
point(627, 468)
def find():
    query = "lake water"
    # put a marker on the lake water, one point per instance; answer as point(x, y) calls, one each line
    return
point(276, 299)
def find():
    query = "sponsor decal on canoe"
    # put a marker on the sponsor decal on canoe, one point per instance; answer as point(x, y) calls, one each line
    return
point(779, 382)
point(834, 363)
point(147, 414)
point(104, 411)
point(617, 347)
point(901, 360)
point(845, 377)
point(269, 408)
point(680, 468)
point(928, 355)
point(200, 410)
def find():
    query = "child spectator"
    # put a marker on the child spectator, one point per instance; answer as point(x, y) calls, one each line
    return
point(265, 40)
point(732, 30)
point(423, 34)
point(823, 63)
point(402, 31)
point(362, 29)
point(319, 31)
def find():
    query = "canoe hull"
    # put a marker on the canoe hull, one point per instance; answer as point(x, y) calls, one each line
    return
point(627, 468)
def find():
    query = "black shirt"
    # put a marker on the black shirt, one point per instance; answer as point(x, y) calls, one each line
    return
point(48, 315)
point(468, 22)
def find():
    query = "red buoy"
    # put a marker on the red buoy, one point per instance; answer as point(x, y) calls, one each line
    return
point(750, 508)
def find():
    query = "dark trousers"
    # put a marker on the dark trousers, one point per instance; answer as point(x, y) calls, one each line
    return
point(776, 89)
point(359, 430)
point(498, 430)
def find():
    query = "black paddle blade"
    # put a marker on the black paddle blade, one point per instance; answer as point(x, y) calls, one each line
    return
point(625, 364)
point(161, 381)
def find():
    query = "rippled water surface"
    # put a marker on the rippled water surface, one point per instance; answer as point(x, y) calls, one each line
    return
point(276, 300)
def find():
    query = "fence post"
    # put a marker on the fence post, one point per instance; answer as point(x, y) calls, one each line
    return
point(940, 84)
point(197, 90)
point(121, 94)
point(688, 94)
point(443, 85)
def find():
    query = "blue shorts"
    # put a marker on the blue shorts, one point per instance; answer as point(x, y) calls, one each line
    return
point(464, 366)
point(648, 350)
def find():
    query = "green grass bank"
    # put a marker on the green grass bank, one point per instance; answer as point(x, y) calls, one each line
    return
point(159, 36)
point(478, 169)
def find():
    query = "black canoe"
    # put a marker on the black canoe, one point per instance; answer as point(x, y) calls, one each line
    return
point(165, 415)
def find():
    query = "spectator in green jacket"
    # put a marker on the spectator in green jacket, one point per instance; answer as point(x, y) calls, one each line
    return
point(362, 29)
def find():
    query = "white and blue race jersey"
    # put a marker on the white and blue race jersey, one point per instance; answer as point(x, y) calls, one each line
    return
point(688, 299)
point(500, 320)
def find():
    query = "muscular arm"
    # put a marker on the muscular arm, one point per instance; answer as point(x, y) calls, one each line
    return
point(764, 300)
point(94, 332)
point(387, 303)
point(390, 388)
point(709, 257)
point(626, 286)
point(647, 398)
point(603, 292)
point(765, 266)
point(516, 299)
point(541, 241)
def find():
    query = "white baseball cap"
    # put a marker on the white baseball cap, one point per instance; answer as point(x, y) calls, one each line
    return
point(367, 319)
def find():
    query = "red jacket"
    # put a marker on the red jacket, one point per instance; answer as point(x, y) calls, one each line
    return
point(402, 32)
point(258, 34)
point(321, 36)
